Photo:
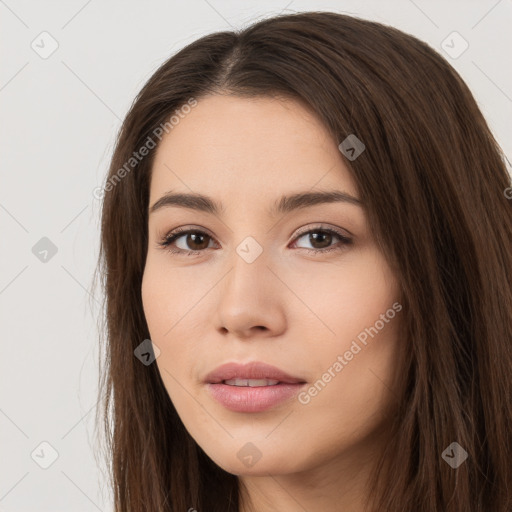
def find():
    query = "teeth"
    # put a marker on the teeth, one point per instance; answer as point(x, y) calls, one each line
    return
point(251, 382)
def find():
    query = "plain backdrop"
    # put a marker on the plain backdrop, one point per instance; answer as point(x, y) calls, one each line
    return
point(60, 113)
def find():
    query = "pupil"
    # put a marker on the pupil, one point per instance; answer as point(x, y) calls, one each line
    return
point(314, 237)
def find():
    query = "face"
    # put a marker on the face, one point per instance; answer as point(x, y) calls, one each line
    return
point(299, 285)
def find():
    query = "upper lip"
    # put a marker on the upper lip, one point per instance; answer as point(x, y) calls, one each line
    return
point(252, 370)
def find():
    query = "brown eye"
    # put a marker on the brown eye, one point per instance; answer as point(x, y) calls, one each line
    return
point(190, 242)
point(321, 240)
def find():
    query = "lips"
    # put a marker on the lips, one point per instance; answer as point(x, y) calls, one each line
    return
point(254, 370)
point(253, 387)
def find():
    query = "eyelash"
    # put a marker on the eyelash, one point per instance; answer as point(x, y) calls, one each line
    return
point(171, 237)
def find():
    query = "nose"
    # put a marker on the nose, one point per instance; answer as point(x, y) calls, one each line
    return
point(251, 300)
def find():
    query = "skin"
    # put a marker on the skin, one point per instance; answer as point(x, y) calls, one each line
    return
point(291, 308)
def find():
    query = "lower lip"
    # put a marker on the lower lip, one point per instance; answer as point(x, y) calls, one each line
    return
point(252, 399)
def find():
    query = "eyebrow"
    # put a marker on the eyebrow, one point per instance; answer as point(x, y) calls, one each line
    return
point(283, 205)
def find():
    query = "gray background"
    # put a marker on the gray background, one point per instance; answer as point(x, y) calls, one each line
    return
point(59, 117)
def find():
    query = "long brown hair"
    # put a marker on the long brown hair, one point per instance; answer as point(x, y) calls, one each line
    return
point(433, 180)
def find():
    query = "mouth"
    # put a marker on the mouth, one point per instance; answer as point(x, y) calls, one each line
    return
point(253, 387)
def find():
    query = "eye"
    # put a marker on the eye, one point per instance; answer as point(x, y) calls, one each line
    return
point(321, 239)
point(195, 241)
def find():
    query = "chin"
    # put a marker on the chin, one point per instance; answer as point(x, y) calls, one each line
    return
point(241, 464)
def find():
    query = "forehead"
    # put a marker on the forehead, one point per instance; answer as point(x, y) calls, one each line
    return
point(231, 147)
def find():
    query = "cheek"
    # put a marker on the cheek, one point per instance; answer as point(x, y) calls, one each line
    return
point(343, 298)
point(169, 295)
point(352, 392)
point(355, 360)
point(169, 303)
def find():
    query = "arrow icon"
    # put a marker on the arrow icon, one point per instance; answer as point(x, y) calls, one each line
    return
point(454, 45)
point(44, 44)
point(44, 250)
point(454, 455)
point(249, 249)
point(44, 455)
point(351, 147)
point(146, 352)
point(249, 454)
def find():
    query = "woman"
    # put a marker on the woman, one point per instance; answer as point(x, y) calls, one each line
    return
point(306, 254)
